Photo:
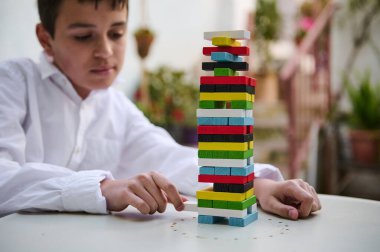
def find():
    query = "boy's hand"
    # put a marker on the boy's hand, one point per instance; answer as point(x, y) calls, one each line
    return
point(148, 192)
point(290, 199)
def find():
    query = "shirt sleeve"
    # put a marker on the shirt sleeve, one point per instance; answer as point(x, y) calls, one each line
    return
point(149, 148)
point(26, 186)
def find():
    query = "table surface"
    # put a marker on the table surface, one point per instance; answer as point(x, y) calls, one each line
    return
point(343, 224)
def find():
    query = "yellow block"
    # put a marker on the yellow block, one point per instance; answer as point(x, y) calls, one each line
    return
point(224, 41)
point(253, 98)
point(211, 195)
point(221, 96)
point(227, 146)
point(251, 145)
point(249, 193)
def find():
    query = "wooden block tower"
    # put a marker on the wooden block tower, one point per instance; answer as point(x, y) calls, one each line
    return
point(225, 133)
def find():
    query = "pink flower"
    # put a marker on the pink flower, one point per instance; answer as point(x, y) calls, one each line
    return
point(306, 23)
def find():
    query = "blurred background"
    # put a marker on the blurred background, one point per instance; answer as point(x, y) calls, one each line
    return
point(317, 65)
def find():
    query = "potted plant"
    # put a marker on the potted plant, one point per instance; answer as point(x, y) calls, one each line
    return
point(144, 39)
point(364, 119)
point(266, 29)
point(173, 103)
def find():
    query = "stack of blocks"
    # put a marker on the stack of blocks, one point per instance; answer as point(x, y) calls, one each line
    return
point(225, 133)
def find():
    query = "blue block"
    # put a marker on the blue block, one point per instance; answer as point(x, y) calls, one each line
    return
point(240, 121)
point(207, 170)
point(222, 171)
point(212, 120)
point(242, 222)
point(225, 57)
point(242, 171)
point(208, 219)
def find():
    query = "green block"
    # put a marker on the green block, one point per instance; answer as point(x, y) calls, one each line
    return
point(240, 154)
point(220, 104)
point(224, 72)
point(205, 154)
point(225, 154)
point(207, 104)
point(242, 204)
point(220, 204)
point(241, 105)
point(204, 203)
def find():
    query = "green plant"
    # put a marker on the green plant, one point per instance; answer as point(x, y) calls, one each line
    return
point(365, 102)
point(267, 24)
point(173, 98)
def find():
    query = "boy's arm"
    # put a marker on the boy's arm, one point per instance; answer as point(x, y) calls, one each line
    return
point(37, 186)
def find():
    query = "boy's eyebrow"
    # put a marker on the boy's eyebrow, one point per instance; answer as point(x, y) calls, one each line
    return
point(86, 25)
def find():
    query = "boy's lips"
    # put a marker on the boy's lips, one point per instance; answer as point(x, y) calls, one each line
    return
point(103, 70)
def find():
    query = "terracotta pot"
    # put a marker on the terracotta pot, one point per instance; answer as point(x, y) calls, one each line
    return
point(144, 41)
point(365, 146)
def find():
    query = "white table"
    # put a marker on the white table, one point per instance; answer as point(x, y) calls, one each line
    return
point(343, 224)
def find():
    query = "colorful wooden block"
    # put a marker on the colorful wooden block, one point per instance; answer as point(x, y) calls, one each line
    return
point(231, 80)
point(235, 188)
point(224, 41)
point(221, 179)
point(242, 171)
point(207, 170)
point(242, 222)
point(221, 162)
point(240, 121)
point(225, 138)
point(244, 129)
point(208, 96)
point(241, 105)
point(206, 219)
point(223, 146)
point(223, 212)
point(208, 194)
point(235, 66)
point(224, 113)
point(206, 203)
point(224, 72)
point(237, 34)
point(190, 206)
point(225, 154)
point(212, 120)
point(241, 50)
point(243, 204)
point(225, 57)
point(222, 204)
point(222, 171)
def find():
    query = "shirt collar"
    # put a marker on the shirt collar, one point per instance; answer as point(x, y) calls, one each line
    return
point(47, 68)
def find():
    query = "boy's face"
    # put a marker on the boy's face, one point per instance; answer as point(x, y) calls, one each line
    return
point(89, 44)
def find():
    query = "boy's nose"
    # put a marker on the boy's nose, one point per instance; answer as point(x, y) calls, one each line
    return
point(103, 49)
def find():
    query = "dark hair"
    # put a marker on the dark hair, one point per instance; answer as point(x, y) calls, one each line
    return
point(48, 10)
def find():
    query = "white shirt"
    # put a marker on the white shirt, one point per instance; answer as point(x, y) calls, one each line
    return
point(55, 148)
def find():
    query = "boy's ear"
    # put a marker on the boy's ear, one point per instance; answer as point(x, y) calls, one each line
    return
point(44, 38)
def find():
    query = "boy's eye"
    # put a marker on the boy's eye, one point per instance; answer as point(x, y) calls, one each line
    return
point(116, 35)
point(82, 37)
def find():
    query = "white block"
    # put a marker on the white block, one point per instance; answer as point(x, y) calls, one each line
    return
point(238, 34)
point(224, 113)
point(222, 162)
point(191, 206)
point(225, 212)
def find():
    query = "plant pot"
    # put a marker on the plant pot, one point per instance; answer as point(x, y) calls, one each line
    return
point(365, 146)
point(267, 88)
point(144, 42)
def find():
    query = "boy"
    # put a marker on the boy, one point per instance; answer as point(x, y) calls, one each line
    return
point(69, 142)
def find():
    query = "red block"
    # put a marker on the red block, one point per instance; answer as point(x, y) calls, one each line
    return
point(226, 130)
point(236, 50)
point(228, 80)
point(226, 179)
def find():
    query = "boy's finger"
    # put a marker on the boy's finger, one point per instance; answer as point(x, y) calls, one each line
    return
point(304, 197)
point(170, 190)
point(281, 209)
point(142, 193)
point(137, 203)
point(155, 192)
